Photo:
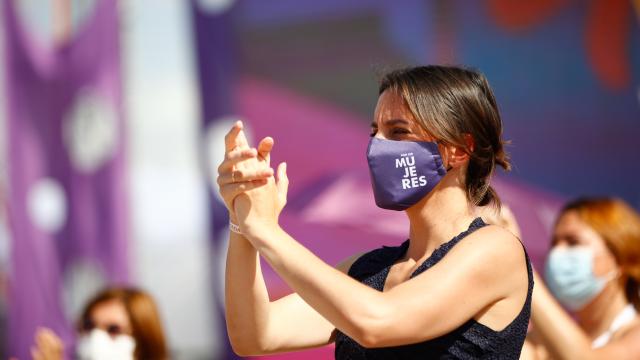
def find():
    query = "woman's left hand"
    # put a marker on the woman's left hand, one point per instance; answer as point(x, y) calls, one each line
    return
point(244, 169)
point(258, 208)
point(253, 196)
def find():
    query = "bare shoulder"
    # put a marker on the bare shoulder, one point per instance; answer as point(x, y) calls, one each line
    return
point(493, 242)
point(493, 250)
point(625, 344)
point(629, 334)
point(346, 263)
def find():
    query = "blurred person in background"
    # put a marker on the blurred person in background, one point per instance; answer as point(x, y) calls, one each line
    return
point(117, 323)
point(456, 288)
point(593, 270)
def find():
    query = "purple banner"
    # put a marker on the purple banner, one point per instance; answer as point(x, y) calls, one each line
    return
point(216, 65)
point(67, 203)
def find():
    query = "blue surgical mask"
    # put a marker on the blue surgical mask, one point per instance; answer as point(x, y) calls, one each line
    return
point(403, 172)
point(569, 275)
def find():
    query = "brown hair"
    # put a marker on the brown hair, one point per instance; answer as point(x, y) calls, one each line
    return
point(619, 226)
point(144, 317)
point(450, 102)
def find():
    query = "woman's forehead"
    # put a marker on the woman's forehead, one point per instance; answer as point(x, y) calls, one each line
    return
point(391, 101)
point(571, 225)
point(392, 107)
point(110, 310)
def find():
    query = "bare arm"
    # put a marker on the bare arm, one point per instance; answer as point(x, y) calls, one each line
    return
point(254, 324)
point(564, 339)
point(410, 312)
point(533, 348)
point(528, 351)
point(257, 326)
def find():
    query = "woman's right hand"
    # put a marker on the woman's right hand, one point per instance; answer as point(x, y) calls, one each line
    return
point(48, 346)
point(243, 168)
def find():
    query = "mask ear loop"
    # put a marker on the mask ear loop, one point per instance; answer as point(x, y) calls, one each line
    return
point(611, 275)
point(440, 143)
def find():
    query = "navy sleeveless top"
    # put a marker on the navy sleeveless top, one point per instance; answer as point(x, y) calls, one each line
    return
point(472, 340)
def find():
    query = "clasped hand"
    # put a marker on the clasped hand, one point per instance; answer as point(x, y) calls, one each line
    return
point(247, 184)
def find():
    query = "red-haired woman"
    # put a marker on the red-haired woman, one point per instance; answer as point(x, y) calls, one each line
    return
point(593, 270)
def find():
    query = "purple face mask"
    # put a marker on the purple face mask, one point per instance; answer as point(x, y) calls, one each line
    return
point(403, 172)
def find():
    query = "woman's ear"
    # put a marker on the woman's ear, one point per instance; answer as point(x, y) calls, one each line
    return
point(457, 157)
point(469, 142)
point(454, 156)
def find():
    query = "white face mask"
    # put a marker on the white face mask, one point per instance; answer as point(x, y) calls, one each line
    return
point(99, 345)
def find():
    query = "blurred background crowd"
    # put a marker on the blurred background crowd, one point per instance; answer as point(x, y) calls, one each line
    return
point(112, 114)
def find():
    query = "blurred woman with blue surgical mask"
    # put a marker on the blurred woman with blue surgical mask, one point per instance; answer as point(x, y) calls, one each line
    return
point(593, 270)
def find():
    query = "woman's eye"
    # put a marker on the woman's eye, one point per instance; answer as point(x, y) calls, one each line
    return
point(400, 131)
point(572, 241)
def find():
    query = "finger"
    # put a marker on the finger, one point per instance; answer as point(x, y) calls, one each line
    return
point(41, 338)
point(231, 137)
point(51, 341)
point(243, 175)
point(283, 182)
point(235, 156)
point(264, 148)
point(46, 333)
point(241, 139)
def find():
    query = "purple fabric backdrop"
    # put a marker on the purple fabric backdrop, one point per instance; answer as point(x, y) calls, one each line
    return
point(66, 154)
point(216, 65)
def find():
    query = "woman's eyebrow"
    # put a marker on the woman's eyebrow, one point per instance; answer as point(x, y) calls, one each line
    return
point(391, 122)
point(396, 122)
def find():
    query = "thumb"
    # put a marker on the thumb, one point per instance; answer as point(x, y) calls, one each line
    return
point(264, 149)
point(283, 182)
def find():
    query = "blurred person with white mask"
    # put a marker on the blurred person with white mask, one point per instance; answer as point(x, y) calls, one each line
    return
point(117, 323)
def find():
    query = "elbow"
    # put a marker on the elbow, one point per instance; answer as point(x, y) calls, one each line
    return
point(240, 349)
point(372, 330)
point(243, 343)
point(243, 351)
point(369, 339)
point(244, 346)
point(239, 343)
